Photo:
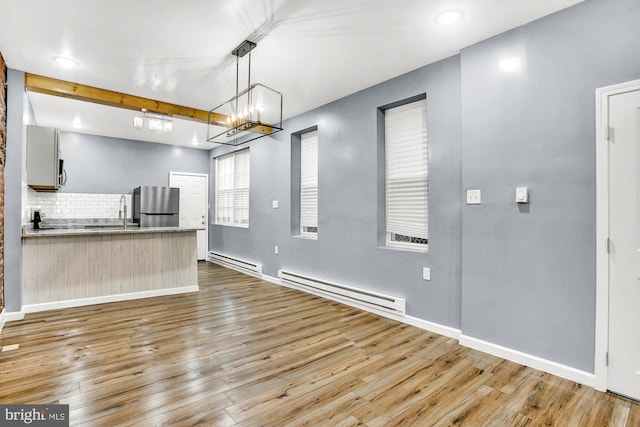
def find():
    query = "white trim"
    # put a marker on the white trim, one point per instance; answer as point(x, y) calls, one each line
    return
point(409, 320)
point(535, 362)
point(13, 316)
point(436, 328)
point(406, 171)
point(309, 183)
point(10, 316)
point(602, 228)
point(57, 305)
point(236, 191)
point(206, 220)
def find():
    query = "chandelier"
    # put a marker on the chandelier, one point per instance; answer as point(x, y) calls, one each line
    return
point(155, 121)
point(251, 114)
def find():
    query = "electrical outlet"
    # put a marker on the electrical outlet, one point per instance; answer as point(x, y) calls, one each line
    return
point(426, 273)
point(275, 249)
point(473, 197)
point(274, 204)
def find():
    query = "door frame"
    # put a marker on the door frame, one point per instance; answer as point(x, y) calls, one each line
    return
point(602, 227)
point(208, 214)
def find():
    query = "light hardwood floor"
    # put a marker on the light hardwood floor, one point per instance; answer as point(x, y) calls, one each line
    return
point(244, 352)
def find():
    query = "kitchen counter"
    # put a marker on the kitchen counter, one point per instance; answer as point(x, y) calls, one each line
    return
point(100, 230)
point(67, 267)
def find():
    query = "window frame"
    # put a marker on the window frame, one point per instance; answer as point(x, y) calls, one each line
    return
point(235, 190)
point(309, 138)
point(390, 239)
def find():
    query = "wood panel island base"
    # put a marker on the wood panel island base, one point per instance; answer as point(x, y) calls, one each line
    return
point(69, 268)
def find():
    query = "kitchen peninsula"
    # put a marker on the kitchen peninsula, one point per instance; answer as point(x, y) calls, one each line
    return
point(73, 267)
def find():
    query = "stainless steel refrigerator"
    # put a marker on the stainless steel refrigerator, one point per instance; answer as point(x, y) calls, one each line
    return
point(156, 206)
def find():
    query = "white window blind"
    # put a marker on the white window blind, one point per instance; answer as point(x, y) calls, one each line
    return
point(232, 189)
point(309, 184)
point(406, 175)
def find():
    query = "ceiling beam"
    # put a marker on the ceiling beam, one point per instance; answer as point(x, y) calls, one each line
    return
point(55, 87)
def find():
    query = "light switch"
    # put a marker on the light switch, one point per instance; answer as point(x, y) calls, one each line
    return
point(473, 197)
point(274, 204)
point(522, 195)
point(426, 273)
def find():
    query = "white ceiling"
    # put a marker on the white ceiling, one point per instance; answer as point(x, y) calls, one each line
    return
point(313, 51)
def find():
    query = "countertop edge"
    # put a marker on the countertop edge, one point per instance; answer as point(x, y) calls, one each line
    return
point(92, 231)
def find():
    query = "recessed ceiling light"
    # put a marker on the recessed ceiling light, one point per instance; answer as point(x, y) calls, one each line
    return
point(77, 123)
point(65, 61)
point(449, 17)
point(511, 65)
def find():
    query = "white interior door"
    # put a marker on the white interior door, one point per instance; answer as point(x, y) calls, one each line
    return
point(194, 205)
point(624, 253)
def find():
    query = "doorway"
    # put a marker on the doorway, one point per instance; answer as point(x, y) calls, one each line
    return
point(194, 205)
point(618, 240)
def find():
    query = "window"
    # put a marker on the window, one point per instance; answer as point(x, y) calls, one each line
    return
point(309, 184)
point(232, 189)
point(406, 209)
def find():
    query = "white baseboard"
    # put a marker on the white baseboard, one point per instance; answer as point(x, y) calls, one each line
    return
point(13, 315)
point(564, 371)
point(10, 316)
point(436, 328)
point(57, 305)
point(274, 280)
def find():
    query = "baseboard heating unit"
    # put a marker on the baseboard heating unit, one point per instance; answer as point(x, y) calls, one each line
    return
point(344, 293)
point(235, 263)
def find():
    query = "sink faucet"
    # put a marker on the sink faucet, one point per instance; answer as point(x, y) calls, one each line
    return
point(123, 201)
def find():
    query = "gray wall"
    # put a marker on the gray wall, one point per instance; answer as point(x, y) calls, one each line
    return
point(528, 278)
point(518, 276)
point(99, 164)
point(17, 108)
point(347, 248)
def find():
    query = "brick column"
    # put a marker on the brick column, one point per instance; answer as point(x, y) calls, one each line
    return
point(3, 151)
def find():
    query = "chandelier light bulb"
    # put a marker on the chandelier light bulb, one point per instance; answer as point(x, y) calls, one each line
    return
point(138, 122)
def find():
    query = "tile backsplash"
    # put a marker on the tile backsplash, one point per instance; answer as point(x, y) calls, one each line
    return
point(74, 205)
